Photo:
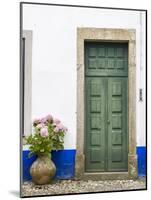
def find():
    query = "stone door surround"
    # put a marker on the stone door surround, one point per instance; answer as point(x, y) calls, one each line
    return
point(106, 35)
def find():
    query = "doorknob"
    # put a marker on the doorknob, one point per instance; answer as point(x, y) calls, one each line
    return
point(108, 121)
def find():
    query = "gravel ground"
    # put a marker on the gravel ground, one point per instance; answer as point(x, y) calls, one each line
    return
point(73, 186)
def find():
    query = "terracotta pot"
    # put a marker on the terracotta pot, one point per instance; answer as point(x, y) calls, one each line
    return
point(42, 170)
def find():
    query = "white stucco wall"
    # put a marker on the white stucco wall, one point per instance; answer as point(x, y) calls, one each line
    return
point(54, 59)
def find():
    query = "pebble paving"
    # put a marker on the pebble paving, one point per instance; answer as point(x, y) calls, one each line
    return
point(76, 186)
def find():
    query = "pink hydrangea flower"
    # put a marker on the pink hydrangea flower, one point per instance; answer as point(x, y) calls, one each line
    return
point(36, 121)
point(61, 127)
point(43, 120)
point(56, 121)
point(49, 118)
point(40, 126)
point(44, 132)
point(56, 129)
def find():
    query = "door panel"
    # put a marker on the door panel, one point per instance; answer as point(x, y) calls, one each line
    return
point(95, 124)
point(117, 124)
point(106, 59)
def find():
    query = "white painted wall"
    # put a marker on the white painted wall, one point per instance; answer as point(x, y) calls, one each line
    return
point(54, 59)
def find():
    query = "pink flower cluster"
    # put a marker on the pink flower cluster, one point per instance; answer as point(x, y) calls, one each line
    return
point(44, 132)
point(43, 122)
point(58, 126)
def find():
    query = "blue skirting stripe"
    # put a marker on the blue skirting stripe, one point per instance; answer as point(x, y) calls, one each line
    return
point(27, 162)
point(141, 153)
point(63, 159)
point(65, 163)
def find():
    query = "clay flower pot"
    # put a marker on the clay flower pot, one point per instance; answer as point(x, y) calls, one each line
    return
point(42, 170)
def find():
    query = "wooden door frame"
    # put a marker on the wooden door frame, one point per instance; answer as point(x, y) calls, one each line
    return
point(106, 35)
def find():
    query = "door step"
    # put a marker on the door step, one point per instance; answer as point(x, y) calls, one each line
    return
point(105, 176)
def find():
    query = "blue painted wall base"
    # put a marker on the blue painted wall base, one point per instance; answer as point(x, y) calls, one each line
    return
point(27, 162)
point(63, 159)
point(141, 153)
point(65, 163)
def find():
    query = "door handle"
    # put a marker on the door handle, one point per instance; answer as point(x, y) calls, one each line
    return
point(108, 121)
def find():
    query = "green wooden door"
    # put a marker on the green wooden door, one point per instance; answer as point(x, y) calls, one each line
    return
point(106, 132)
point(95, 124)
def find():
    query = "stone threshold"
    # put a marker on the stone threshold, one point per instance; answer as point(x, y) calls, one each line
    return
point(105, 176)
